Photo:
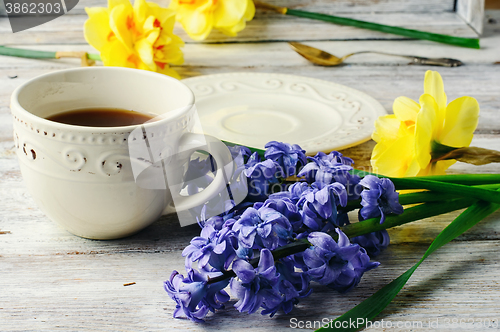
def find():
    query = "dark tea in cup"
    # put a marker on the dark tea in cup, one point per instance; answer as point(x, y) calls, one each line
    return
point(101, 117)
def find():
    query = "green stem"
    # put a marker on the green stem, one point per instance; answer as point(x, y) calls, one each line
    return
point(457, 41)
point(94, 56)
point(488, 195)
point(33, 54)
point(415, 213)
point(466, 179)
point(22, 53)
point(419, 197)
point(418, 212)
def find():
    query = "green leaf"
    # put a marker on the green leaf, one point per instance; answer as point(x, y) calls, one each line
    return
point(444, 187)
point(414, 213)
point(452, 40)
point(372, 306)
point(467, 179)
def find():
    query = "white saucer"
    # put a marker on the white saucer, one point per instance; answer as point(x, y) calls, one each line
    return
point(255, 108)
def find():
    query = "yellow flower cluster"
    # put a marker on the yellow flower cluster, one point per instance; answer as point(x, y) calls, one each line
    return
point(136, 37)
point(141, 36)
point(405, 139)
point(199, 17)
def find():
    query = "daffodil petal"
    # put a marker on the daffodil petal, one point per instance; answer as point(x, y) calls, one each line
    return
point(96, 29)
point(461, 120)
point(250, 12)
point(405, 109)
point(172, 55)
point(386, 128)
point(433, 85)
point(145, 52)
point(140, 11)
point(115, 54)
point(229, 13)
point(198, 25)
point(393, 159)
point(425, 129)
point(121, 23)
point(413, 168)
point(162, 14)
point(441, 166)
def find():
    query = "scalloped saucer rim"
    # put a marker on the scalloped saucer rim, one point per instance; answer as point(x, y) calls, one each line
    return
point(254, 108)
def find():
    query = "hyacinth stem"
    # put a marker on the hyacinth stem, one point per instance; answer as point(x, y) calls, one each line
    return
point(415, 213)
point(420, 197)
point(33, 54)
point(488, 195)
point(418, 212)
point(464, 179)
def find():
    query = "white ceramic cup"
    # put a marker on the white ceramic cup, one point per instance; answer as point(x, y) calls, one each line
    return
point(82, 177)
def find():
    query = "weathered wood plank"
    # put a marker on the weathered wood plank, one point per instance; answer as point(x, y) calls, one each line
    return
point(85, 291)
point(68, 29)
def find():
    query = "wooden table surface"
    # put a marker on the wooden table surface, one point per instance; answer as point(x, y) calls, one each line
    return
point(51, 280)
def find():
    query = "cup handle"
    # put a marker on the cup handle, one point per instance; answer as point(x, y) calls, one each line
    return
point(188, 144)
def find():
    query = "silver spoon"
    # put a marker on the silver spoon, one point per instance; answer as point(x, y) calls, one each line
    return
point(323, 58)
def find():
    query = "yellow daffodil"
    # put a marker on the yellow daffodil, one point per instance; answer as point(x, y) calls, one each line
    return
point(198, 17)
point(410, 140)
point(138, 36)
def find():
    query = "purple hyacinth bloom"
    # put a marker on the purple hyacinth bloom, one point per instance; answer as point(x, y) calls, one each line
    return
point(320, 204)
point(339, 158)
point(262, 228)
point(291, 285)
point(324, 168)
point(338, 265)
point(261, 175)
point(288, 157)
point(373, 242)
point(293, 193)
point(213, 247)
point(193, 296)
point(255, 286)
point(287, 208)
point(379, 199)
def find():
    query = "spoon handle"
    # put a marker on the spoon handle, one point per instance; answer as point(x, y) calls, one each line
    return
point(445, 62)
point(419, 60)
